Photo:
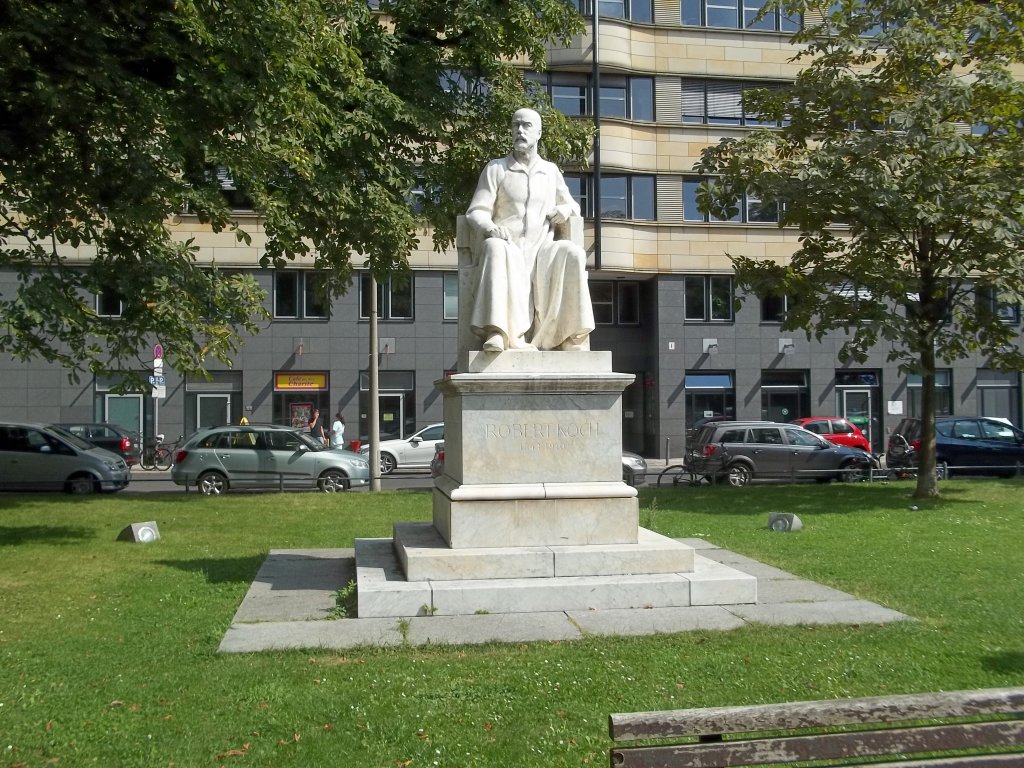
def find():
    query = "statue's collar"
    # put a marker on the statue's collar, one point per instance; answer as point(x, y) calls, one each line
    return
point(517, 165)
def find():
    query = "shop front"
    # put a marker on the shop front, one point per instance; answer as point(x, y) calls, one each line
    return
point(297, 394)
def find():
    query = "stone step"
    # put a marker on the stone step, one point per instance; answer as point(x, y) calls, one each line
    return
point(383, 591)
point(425, 556)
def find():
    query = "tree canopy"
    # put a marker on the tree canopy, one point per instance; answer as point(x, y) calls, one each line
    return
point(899, 156)
point(325, 114)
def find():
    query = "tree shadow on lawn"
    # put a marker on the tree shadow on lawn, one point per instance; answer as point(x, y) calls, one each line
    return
point(46, 534)
point(220, 570)
point(1005, 663)
point(838, 498)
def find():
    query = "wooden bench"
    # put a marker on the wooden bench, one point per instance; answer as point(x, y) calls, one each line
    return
point(979, 729)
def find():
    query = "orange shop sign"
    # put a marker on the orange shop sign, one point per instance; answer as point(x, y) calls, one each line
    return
point(287, 381)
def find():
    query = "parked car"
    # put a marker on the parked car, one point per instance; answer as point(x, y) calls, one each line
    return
point(963, 444)
point(634, 466)
point(112, 437)
point(44, 457)
point(836, 430)
point(738, 451)
point(217, 459)
point(415, 452)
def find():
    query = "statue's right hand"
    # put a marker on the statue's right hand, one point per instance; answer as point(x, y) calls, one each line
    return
point(502, 233)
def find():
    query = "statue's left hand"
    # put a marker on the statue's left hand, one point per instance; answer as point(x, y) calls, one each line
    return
point(557, 217)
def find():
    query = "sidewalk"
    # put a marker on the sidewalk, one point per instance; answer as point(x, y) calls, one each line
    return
point(290, 603)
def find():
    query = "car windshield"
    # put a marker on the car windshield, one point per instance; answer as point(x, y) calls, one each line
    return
point(74, 440)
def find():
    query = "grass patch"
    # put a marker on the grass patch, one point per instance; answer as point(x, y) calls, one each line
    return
point(108, 649)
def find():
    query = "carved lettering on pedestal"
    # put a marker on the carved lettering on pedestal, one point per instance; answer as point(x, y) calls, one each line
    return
point(535, 436)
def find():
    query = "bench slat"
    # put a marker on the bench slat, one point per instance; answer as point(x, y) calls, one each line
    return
point(813, 714)
point(825, 746)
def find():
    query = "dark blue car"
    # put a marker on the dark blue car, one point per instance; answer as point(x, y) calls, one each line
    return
point(963, 444)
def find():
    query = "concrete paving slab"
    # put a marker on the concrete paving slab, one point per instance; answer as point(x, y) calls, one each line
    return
point(291, 635)
point(827, 612)
point(297, 585)
point(654, 621)
point(294, 593)
point(491, 628)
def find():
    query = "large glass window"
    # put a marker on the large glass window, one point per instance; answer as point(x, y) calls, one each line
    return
point(394, 298)
point(621, 96)
point(615, 302)
point(750, 209)
point(707, 298)
point(732, 14)
point(943, 394)
point(110, 303)
point(628, 197)
point(709, 394)
point(300, 294)
point(451, 296)
point(720, 102)
point(999, 394)
point(1001, 305)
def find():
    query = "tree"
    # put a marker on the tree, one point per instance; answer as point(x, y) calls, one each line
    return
point(899, 157)
point(327, 116)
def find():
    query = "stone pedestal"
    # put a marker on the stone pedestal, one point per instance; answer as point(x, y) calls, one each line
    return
point(531, 513)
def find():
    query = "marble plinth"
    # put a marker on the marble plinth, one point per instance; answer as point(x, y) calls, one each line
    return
point(385, 592)
point(531, 513)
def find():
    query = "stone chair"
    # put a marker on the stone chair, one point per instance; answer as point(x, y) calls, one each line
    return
point(467, 240)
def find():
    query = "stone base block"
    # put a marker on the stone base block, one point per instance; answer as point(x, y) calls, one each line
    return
point(424, 555)
point(536, 522)
point(383, 590)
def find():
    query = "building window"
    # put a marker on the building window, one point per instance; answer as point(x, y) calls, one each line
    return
point(109, 303)
point(995, 304)
point(300, 295)
point(749, 210)
point(708, 395)
point(451, 296)
point(640, 11)
point(627, 97)
point(628, 197)
point(394, 298)
point(707, 298)
point(237, 199)
point(943, 394)
point(774, 308)
point(720, 102)
point(630, 98)
point(736, 14)
point(579, 188)
point(615, 302)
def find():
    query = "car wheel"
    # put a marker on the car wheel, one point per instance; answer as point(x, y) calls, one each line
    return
point(333, 481)
point(387, 463)
point(212, 484)
point(853, 473)
point(738, 475)
point(81, 485)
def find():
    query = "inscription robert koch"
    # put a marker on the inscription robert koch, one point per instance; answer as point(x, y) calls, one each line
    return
point(542, 435)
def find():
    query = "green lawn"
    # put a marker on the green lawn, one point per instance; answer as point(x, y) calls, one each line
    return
point(108, 650)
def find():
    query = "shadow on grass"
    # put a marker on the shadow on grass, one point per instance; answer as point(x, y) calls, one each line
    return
point(1006, 663)
point(221, 570)
point(47, 534)
point(841, 498)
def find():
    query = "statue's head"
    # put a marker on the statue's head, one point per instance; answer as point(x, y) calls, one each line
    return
point(526, 129)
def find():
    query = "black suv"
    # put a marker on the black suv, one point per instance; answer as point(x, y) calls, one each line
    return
point(738, 451)
point(964, 444)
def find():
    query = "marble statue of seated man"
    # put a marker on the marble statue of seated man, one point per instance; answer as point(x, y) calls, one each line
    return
point(530, 289)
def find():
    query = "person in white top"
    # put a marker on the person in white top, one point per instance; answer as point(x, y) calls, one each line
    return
point(531, 290)
point(338, 431)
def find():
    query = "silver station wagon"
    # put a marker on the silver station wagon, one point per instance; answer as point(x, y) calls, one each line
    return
point(217, 459)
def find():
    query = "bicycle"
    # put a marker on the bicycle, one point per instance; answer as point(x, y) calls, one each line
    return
point(159, 455)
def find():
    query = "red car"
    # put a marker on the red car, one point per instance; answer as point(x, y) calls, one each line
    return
point(836, 430)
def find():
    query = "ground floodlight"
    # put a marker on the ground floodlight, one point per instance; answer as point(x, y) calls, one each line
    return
point(140, 533)
point(784, 521)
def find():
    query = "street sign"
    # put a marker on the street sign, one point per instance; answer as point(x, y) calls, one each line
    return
point(157, 381)
point(158, 351)
point(159, 391)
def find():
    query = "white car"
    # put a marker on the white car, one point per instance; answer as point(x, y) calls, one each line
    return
point(414, 452)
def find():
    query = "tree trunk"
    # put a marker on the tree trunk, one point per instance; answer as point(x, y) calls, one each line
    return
point(927, 486)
